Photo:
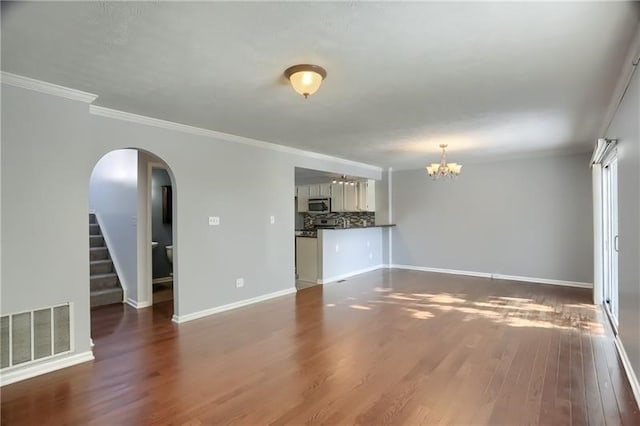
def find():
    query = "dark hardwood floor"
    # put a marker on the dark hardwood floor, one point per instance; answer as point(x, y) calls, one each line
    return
point(390, 346)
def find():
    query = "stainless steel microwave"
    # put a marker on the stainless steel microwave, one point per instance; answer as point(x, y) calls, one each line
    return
point(319, 205)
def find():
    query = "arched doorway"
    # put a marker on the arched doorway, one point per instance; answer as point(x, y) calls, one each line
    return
point(133, 232)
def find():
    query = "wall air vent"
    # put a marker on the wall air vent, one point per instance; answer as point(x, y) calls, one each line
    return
point(34, 335)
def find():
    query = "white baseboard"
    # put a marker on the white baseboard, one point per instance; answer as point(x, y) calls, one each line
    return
point(495, 276)
point(542, 281)
point(138, 305)
point(631, 375)
point(179, 319)
point(16, 374)
point(162, 280)
point(350, 274)
point(440, 270)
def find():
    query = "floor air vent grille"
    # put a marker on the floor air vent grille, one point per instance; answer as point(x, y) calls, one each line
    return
point(34, 335)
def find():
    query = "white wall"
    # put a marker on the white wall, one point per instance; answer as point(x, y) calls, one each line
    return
point(529, 218)
point(219, 178)
point(46, 165)
point(357, 250)
point(49, 148)
point(383, 213)
point(625, 127)
point(113, 195)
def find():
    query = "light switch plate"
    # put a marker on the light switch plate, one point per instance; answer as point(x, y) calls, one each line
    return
point(272, 219)
point(214, 221)
point(240, 282)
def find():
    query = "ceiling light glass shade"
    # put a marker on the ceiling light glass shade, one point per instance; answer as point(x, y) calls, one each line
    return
point(305, 79)
point(444, 169)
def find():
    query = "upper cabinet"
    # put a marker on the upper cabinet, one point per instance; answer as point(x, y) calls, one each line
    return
point(344, 198)
point(324, 190)
point(302, 192)
point(337, 197)
point(350, 198)
point(367, 196)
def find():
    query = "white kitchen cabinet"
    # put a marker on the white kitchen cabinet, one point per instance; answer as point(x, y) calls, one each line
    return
point(350, 203)
point(307, 259)
point(367, 196)
point(320, 190)
point(337, 197)
point(344, 198)
point(324, 190)
point(302, 192)
point(314, 191)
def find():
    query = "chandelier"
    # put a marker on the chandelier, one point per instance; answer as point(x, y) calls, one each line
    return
point(343, 180)
point(443, 169)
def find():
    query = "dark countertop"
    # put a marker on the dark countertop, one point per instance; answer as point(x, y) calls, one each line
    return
point(314, 232)
point(340, 228)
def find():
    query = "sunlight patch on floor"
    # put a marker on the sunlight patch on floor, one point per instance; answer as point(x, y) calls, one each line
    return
point(360, 307)
point(419, 314)
point(441, 297)
point(510, 311)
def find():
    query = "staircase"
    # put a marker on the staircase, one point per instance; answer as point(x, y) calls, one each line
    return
point(104, 282)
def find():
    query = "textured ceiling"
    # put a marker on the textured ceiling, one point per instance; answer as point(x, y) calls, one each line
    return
point(490, 79)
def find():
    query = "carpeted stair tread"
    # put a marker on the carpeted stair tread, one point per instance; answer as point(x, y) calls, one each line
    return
point(102, 266)
point(98, 253)
point(104, 284)
point(106, 296)
point(94, 229)
point(96, 241)
point(102, 281)
point(109, 274)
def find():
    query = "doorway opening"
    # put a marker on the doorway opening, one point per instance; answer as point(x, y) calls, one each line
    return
point(325, 202)
point(161, 209)
point(132, 216)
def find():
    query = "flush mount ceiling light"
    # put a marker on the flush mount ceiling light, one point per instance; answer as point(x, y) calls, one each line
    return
point(305, 78)
point(443, 169)
point(343, 180)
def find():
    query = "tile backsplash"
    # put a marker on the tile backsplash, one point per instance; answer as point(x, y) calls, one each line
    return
point(355, 219)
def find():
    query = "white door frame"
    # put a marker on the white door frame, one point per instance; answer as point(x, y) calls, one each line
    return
point(609, 259)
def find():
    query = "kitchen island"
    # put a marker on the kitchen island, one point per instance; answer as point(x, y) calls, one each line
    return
point(341, 252)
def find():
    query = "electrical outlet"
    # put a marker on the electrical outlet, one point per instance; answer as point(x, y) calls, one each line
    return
point(337, 248)
point(214, 221)
point(370, 255)
point(240, 282)
point(272, 219)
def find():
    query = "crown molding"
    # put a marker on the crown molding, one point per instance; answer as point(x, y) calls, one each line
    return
point(184, 128)
point(48, 88)
point(77, 95)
